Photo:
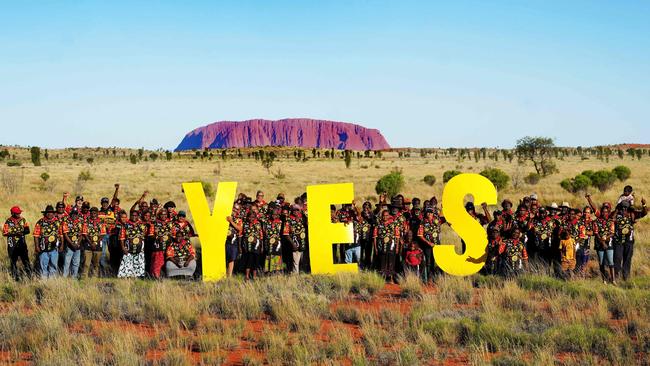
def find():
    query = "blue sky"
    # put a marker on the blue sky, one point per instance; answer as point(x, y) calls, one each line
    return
point(462, 73)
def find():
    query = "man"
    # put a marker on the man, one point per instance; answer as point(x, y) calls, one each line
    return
point(47, 242)
point(15, 229)
point(353, 250)
point(106, 215)
point(93, 232)
point(603, 233)
point(296, 234)
point(386, 243)
point(253, 245)
point(72, 230)
point(624, 220)
point(367, 223)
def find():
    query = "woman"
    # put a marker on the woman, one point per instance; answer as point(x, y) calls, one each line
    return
point(253, 244)
point(162, 229)
point(235, 227)
point(181, 257)
point(273, 241)
point(514, 257)
point(386, 242)
point(132, 237)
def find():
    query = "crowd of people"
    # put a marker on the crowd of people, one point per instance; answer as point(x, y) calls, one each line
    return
point(394, 236)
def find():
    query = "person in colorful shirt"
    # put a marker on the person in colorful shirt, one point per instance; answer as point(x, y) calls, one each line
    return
point(132, 235)
point(413, 256)
point(386, 242)
point(15, 229)
point(72, 230)
point(162, 233)
point(492, 263)
point(233, 239)
point(539, 247)
point(428, 234)
point(181, 257)
point(93, 233)
point(624, 235)
point(273, 240)
point(48, 240)
point(583, 252)
point(514, 257)
point(603, 227)
point(253, 245)
point(296, 234)
point(368, 221)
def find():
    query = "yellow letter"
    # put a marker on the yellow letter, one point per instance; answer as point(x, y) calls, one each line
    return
point(322, 232)
point(464, 225)
point(211, 228)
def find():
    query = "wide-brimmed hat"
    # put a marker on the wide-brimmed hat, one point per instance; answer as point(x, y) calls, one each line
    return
point(553, 206)
point(565, 204)
point(48, 209)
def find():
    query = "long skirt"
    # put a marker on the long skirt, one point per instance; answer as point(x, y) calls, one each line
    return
point(132, 265)
point(174, 271)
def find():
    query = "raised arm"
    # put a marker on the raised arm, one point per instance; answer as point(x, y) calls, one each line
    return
point(486, 212)
point(591, 203)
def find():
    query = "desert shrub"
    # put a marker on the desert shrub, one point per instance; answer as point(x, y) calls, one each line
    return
point(35, 152)
point(133, 159)
point(603, 180)
point(348, 314)
point(45, 177)
point(84, 176)
point(90, 160)
point(390, 184)
point(13, 163)
point(429, 180)
point(578, 184)
point(532, 178)
point(497, 176)
point(622, 172)
point(208, 189)
point(548, 167)
point(411, 286)
point(446, 176)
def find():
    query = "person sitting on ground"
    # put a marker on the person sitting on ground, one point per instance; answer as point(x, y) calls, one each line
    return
point(180, 257)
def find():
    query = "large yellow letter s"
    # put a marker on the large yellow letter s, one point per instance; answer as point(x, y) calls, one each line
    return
point(464, 225)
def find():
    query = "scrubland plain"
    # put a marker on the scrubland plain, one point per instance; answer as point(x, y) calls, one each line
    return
point(297, 320)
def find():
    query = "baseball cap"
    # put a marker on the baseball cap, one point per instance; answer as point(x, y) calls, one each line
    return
point(16, 210)
point(182, 214)
point(105, 200)
point(79, 198)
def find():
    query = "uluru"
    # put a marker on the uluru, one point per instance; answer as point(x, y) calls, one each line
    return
point(292, 132)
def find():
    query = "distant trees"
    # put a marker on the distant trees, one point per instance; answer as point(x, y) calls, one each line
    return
point(35, 151)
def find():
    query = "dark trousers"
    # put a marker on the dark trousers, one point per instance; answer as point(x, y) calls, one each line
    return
point(387, 263)
point(428, 264)
point(19, 251)
point(366, 253)
point(623, 253)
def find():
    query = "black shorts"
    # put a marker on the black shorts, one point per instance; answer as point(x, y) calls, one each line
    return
point(250, 260)
point(231, 252)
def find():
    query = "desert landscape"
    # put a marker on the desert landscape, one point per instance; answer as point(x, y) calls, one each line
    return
point(342, 319)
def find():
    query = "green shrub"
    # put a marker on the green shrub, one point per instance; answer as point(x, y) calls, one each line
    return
point(578, 184)
point(14, 163)
point(497, 176)
point(85, 176)
point(446, 176)
point(390, 184)
point(208, 189)
point(45, 177)
point(430, 180)
point(603, 180)
point(532, 178)
point(622, 172)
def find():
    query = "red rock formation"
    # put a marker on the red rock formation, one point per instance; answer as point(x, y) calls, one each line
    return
point(298, 132)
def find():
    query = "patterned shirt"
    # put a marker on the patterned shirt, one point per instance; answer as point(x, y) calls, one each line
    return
point(133, 234)
point(387, 235)
point(49, 234)
point(73, 229)
point(163, 234)
point(180, 251)
point(253, 236)
point(15, 231)
point(295, 229)
point(94, 231)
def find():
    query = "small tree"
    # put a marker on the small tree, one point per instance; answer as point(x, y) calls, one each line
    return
point(497, 176)
point(622, 172)
point(429, 180)
point(133, 159)
point(45, 177)
point(578, 184)
point(603, 180)
point(446, 176)
point(539, 150)
point(90, 160)
point(348, 158)
point(532, 178)
point(36, 155)
point(391, 184)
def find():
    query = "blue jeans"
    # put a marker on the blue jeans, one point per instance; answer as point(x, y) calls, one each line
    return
point(606, 257)
point(71, 263)
point(49, 263)
point(353, 252)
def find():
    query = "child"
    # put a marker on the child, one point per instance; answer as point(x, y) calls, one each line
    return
point(413, 259)
point(628, 195)
point(568, 251)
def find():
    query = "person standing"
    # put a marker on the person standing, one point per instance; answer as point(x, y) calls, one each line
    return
point(93, 232)
point(296, 234)
point(428, 233)
point(386, 242)
point(273, 241)
point(253, 244)
point(47, 242)
point(72, 230)
point(603, 227)
point(233, 239)
point(131, 238)
point(624, 220)
point(15, 229)
point(162, 229)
